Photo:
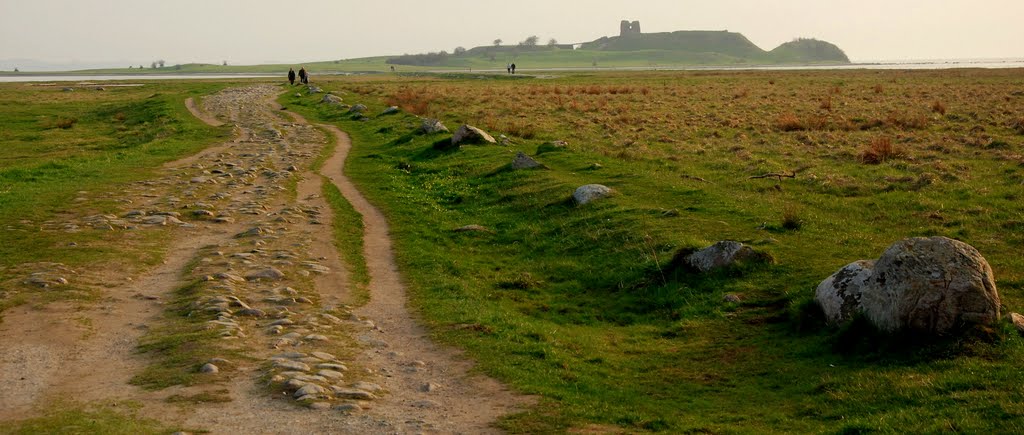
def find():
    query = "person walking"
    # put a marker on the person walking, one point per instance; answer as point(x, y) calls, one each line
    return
point(508, 67)
point(303, 76)
point(291, 76)
point(513, 68)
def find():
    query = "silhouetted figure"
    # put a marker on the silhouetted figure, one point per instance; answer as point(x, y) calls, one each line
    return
point(291, 76)
point(513, 68)
point(392, 68)
point(508, 67)
point(303, 76)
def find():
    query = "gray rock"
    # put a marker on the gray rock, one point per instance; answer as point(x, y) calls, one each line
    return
point(590, 192)
point(324, 356)
point(431, 126)
point(351, 393)
point(330, 374)
point(209, 368)
point(291, 365)
point(331, 99)
point(467, 134)
point(358, 108)
point(252, 312)
point(391, 110)
point(930, 285)
point(348, 407)
point(268, 273)
point(523, 161)
point(426, 404)
point(721, 254)
point(202, 213)
point(313, 390)
point(732, 298)
point(45, 280)
point(1018, 322)
point(367, 386)
point(332, 366)
point(839, 295)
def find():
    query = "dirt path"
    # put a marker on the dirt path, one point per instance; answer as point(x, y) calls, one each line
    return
point(252, 235)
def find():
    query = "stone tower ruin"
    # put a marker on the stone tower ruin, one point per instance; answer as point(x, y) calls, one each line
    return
point(628, 28)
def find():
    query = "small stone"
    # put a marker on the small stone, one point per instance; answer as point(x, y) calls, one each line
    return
point(732, 298)
point(324, 356)
point(310, 390)
point(330, 374)
point(1018, 322)
point(268, 273)
point(291, 365)
point(349, 393)
point(209, 368)
point(348, 407)
point(471, 135)
point(391, 110)
point(316, 337)
point(426, 404)
point(431, 126)
point(523, 161)
point(590, 192)
point(332, 366)
point(367, 386)
point(430, 387)
point(320, 406)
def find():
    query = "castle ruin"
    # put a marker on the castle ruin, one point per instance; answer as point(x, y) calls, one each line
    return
point(628, 28)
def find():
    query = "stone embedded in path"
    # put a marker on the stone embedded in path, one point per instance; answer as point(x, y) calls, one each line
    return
point(45, 280)
point(330, 374)
point(312, 390)
point(467, 134)
point(348, 407)
point(431, 126)
point(324, 356)
point(590, 192)
point(291, 365)
point(367, 386)
point(351, 393)
point(209, 368)
point(426, 404)
point(268, 273)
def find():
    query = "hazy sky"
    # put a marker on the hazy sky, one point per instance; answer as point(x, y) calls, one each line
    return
point(259, 31)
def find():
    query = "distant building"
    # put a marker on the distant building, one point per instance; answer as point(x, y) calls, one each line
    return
point(629, 28)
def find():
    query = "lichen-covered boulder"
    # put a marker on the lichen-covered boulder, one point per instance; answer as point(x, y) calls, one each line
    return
point(471, 135)
point(590, 192)
point(839, 295)
point(930, 285)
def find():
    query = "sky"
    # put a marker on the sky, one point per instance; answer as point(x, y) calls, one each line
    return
point(122, 32)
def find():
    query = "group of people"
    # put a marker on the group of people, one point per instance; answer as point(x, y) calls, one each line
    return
point(303, 76)
point(511, 68)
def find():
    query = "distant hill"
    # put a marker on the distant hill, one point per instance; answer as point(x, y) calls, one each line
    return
point(688, 47)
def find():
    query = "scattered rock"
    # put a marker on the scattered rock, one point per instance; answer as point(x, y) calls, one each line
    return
point(312, 390)
point(467, 134)
point(523, 161)
point(320, 406)
point(1018, 322)
point(555, 145)
point(331, 99)
point(732, 298)
point(358, 108)
point(291, 365)
point(426, 404)
point(431, 126)
point(391, 110)
point(209, 368)
point(722, 254)
point(839, 295)
point(590, 192)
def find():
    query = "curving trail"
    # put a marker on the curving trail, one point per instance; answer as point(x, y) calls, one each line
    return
point(248, 207)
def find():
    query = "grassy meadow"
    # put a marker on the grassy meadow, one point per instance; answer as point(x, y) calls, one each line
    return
point(581, 305)
point(65, 156)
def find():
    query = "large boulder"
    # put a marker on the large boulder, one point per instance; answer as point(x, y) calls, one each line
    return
point(930, 285)
point(722, 254)
point(431, 126)
point(471, 135)
point(839, 295)
point(590, 192)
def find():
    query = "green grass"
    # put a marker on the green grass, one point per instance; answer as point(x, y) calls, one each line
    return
point(68, 418)
point(53, 171)
point(348, 238)
point(580, 305)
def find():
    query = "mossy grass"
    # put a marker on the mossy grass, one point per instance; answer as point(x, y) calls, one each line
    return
point(579, 304)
